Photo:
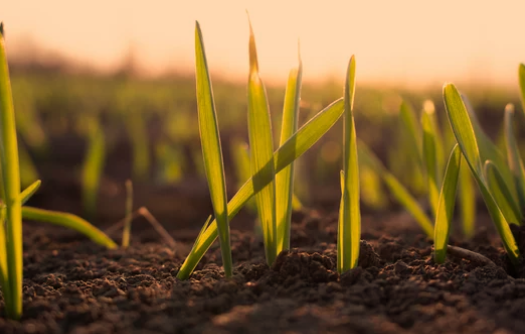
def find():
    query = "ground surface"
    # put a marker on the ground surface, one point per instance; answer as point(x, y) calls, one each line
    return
point(74, 286)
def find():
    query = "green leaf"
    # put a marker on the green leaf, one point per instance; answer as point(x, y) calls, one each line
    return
point(340, 239)
point(261, 149)
point(70, 221)
point(400, 193)
point(467, 200)
point(211, 150)
point(93, 168)
point(284, 179)
point(11, 182)
point(294, 147)
point(445, 209)
point(514, 159)
point(350, 225)
point(501, 193)
point(29, 191)
point(487, 149)
point(431, 160)
point(464, 132)
point(126, 233)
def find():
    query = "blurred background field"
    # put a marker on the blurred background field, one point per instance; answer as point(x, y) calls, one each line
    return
point(105, 92)
point(150, 136)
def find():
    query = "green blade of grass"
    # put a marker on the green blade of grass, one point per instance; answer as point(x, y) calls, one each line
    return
point(501, 193)
point(126, 233)
point(400, 193)
point(29, 191)
point(350, 225)
point(340, 241)
point(261, 149)
point(464, 132)
point(445, 209)
point(521, 79)
point(212, 151)
point(467, 200)
point(11, 182)
point(4, 277)
point(431, 160)
point(488, 150)
point(70, 221)
point(514, 159)
point(284, 179)
point(92, 169)
point(294, 147)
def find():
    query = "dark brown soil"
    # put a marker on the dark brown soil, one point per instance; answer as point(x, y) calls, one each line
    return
point(74, 286)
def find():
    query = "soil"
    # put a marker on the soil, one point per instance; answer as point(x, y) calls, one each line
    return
point(74, 286)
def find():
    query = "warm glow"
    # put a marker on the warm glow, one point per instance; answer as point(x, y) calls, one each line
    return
point(408, 42)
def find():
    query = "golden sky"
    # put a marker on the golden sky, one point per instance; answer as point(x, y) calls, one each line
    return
point(395, 41)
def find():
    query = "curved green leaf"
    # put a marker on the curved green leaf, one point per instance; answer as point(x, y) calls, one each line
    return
point(514, 159)
point(350, 225)
point(464, 132)
point(12, 282)
point(261, 153)
point(501, 193)
point(284, 179)
point(211, 150)
point(70, 221)
point(445, 209)
point(294, 147)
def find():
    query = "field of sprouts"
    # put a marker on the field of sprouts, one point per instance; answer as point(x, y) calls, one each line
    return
point(196, 205)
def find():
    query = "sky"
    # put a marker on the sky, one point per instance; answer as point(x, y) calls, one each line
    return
point(405, 42)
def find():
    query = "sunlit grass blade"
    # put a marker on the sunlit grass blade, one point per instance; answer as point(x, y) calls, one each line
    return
point(399, 192)
point(70, 221)
point(521, 78)
point(430, 160)
point(126, 233)
point(350, 225)
point(340, 235)
point(445, 209)
point(501, 193)
point(92, 169)
point(467, 200)
point(261, 152)
point(284, 180)
point(488, 150)
point(294, 147)
point(514, 158)
point(30, 191)
point(11, 182)
point(211, 150)
point(464, 132)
